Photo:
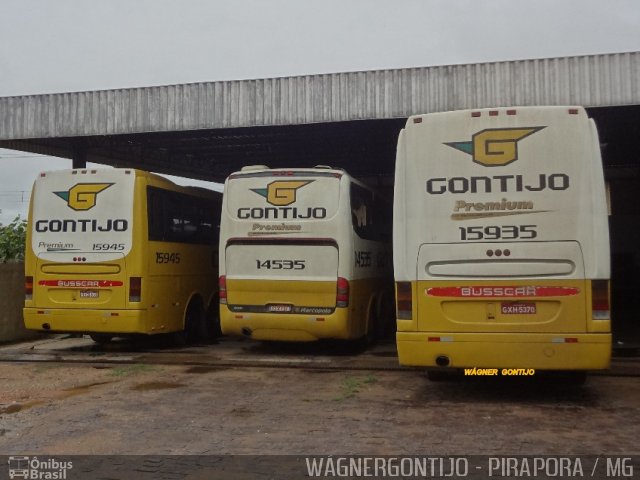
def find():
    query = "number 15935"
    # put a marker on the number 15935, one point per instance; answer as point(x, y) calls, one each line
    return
point(495, 232)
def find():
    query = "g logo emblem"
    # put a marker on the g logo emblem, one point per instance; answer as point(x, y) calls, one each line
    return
point(82, 196)
point(495, 147)
point(281, 192)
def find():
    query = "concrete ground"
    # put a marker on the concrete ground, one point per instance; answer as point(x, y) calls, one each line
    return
point(241, 397)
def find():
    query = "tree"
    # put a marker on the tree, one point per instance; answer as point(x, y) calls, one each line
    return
point(12, 240)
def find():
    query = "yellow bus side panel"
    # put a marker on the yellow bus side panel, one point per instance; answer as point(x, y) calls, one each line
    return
point(506, 350)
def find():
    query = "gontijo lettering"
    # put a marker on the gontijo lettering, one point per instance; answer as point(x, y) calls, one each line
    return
point(281, 213)
point(82, 225)
point(498, 183)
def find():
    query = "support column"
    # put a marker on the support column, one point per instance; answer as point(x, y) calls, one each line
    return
point(79, 159)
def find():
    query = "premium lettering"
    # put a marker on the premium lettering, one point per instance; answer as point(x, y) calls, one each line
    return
point(462, 206)
point(277, 227)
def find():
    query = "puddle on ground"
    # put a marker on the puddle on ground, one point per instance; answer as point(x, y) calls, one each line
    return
point(156, 386)
point(320, 370)
point(18, 407)
point(73, 391)
point(59, 395)
point(242, 412)
point(204, 369)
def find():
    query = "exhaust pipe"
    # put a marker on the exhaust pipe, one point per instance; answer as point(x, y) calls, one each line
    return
point(442, 361)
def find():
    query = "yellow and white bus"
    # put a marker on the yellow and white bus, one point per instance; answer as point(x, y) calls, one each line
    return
point(112, 252)
point(501, 247)
point(304, 255)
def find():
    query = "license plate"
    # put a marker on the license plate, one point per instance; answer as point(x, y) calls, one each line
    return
point(279, 308)
point(89, 294)
point(518, 308)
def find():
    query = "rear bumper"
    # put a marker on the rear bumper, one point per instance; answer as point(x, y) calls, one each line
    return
point(286, 327)
point(506, 350)
point(88, 321)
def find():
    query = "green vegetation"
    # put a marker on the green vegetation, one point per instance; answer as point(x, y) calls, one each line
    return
point(12, 240)
point(130, 370)
point(353, 385)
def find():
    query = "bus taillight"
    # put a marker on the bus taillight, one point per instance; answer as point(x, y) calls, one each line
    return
point(135, 289)
point(404, 300)
point(28, 288)
point(342, 292)
point(600, 309)
point(222, 289)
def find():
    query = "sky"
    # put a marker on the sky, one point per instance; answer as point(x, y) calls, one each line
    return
point(76, 45)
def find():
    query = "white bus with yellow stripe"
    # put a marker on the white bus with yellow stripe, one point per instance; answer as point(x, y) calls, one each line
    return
point(304, 255)
point(114, 252)
point(501, 247)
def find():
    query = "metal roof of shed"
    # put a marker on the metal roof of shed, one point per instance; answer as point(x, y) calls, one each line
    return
point(208, 129)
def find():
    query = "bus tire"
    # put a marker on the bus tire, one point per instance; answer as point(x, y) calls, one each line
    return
point(101, 338)
point(386, 314)
point(373, 324)
point(194, 323)
point(569, 378)
point(214, 329)
point(577, 378)
point(437, 375)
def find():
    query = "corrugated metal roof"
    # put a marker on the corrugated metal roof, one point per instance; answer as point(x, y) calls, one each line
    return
point(593, 80)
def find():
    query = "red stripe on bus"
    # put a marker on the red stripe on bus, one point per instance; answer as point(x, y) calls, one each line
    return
point(501, 291)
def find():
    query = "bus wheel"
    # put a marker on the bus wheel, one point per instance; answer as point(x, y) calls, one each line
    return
point(214, 330)
point(194, 324)
point(437, 375)
point(568, 377)
point(101, 338)
point(374, 327)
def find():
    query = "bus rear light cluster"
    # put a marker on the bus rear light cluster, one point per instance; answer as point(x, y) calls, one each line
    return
point(342, 292)
point(564, 340)
point(222, 289)
point(135, 289)
point(28, 288)
point(404, 298)
point(600, 309)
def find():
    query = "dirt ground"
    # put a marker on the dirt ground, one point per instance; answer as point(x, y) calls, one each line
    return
point(138, 408)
